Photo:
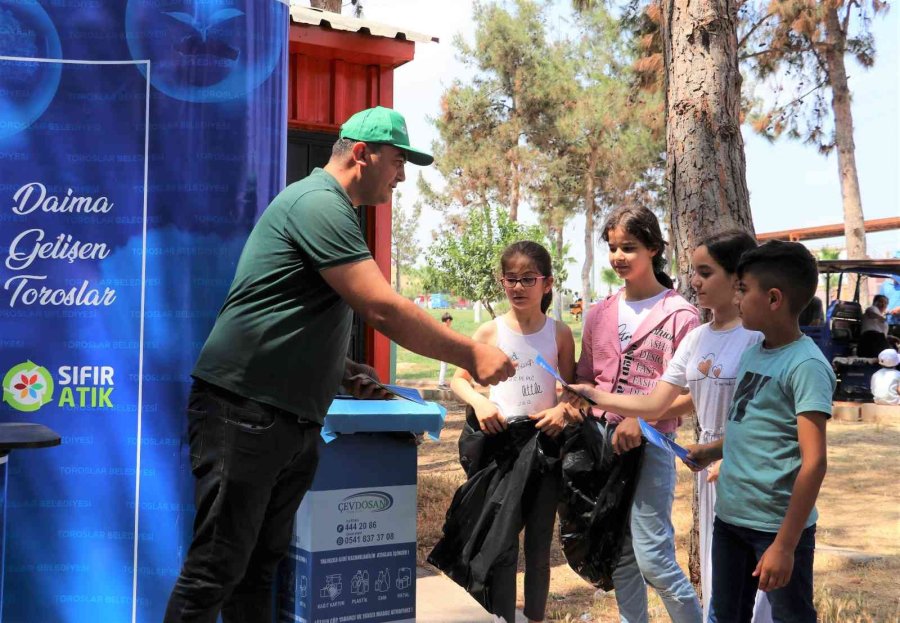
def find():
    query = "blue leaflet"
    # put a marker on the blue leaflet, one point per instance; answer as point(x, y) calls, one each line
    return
point(658, 439)
point(407, 393)
point(546, 366)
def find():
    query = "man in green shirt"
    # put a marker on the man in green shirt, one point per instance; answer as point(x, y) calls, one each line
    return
point(276, 357)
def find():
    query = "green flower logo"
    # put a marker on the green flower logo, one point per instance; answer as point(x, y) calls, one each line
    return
point(27, 387)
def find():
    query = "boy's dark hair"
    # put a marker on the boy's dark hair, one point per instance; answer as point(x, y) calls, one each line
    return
point(727, 247)
point(446, 317)
point(641, 223)
point(537, 254)
point(787, 266)
point(879, 297)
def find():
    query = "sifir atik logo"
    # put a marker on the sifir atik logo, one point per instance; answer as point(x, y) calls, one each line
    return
point(28, 387)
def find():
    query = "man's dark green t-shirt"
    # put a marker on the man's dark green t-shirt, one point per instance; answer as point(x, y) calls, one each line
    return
point(281, 337)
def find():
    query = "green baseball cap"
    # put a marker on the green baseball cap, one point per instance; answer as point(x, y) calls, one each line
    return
point(387, 126)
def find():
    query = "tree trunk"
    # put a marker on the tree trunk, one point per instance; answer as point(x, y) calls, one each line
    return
point(588, 233)
point(705, 167)
point(327, 5)
point(513, 186)
point(854, 227)
point(557, 299)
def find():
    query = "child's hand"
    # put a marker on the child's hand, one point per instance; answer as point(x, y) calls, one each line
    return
point(775, 567)
point(489, 417)
point(570, 397)
point(701, 457)
point(551, 421)
point(712, 472)
point(573, 415)
point(627, 435)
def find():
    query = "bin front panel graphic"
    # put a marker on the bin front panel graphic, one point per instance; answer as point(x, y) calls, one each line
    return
point(353, 555)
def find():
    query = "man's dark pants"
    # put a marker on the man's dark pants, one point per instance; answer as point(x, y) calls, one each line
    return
point(735, 554)
point(252, 464)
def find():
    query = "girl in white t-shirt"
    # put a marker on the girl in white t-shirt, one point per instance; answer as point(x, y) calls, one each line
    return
point(706, 363)
point(522, 333)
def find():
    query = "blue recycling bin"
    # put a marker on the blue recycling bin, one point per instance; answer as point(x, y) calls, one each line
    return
point(353, 553)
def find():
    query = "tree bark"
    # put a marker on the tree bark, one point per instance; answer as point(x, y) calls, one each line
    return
point(854, 227)
point(513, 186)
point(327, 5)
point(557, 299)
point(588, 232)
point(705, 165)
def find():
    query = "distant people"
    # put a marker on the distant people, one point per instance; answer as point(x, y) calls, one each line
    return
point(447, 321)
point(813, 315)
point(886, 382)
point(874, 336)
point(891, 289)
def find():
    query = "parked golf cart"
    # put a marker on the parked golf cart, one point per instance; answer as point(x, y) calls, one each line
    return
point(838, 335)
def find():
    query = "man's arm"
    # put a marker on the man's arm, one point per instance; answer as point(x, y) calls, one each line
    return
point(777, 562)
point(364, 288)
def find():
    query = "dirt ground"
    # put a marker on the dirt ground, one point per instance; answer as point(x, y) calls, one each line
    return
point(858, 542)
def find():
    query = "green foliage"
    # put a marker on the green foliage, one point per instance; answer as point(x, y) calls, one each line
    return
point(789, 46)
point(404, 246)
point(610, 279)
point(466, 261)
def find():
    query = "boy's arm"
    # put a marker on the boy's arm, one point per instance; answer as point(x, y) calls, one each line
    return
point(777, 562)
point(704, 454)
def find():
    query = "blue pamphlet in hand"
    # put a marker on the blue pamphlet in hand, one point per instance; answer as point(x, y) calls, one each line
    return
point(546, 366)
point(407, 393)
point(658, 439)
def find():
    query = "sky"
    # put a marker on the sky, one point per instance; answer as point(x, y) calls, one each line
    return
point(791, 185)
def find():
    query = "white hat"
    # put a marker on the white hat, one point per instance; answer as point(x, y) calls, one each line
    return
point(889, 358)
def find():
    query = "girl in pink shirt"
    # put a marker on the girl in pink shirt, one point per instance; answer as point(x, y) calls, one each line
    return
point(627, 343)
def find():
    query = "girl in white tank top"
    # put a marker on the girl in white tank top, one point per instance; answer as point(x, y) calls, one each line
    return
point(523, 333)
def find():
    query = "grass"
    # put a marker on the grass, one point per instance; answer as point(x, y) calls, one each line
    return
point(414, 367)
point(858, 511)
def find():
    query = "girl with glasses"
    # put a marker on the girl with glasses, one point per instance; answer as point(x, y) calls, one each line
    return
point(522, 333)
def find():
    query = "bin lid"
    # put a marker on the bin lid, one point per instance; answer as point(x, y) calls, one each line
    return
point(350, 415)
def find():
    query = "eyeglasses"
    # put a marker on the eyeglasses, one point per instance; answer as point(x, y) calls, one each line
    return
point(527, 282)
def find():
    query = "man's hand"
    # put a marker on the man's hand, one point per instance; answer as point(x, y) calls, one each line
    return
point(489, 417)
point(551, 421)
point(358, 381)
point(774, 567)
point(490, 365)
point(627, 436)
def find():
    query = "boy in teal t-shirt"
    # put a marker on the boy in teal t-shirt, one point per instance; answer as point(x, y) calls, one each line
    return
point(774, 446)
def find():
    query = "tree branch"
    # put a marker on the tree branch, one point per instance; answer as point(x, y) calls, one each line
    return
point(744, 57)
point(752, 30)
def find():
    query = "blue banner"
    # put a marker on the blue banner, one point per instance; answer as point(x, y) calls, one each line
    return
point(139, 141)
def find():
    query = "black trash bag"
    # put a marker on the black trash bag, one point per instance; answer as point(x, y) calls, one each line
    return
point(597, 493)
point(486, 514)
